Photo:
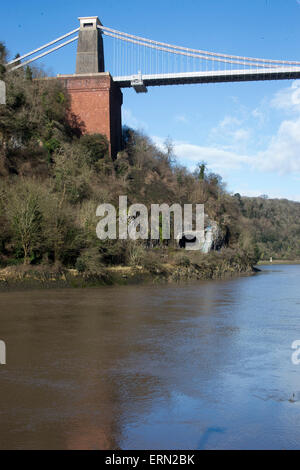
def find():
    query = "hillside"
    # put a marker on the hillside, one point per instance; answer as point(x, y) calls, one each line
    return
point(52, 178)
point(276, 226)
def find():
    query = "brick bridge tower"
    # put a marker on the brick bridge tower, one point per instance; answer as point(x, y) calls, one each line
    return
point(95, 98)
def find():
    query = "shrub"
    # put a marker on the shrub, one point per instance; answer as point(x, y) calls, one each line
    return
point(151, 262)
point(183, 261)
point(135, 253)
point(94, 147)
point(89, 261)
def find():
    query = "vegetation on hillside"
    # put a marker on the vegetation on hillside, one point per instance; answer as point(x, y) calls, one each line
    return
point(52, 178)
point(275, 226)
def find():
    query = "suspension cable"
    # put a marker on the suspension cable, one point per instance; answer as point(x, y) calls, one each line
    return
point(43, 47)
point(172, 51)
point(159, 46)
point(43, 54)
point(214, 54)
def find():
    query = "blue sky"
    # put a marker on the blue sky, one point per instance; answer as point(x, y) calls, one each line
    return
point(247, 132)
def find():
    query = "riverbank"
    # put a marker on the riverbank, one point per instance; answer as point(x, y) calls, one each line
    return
point(212, 266)
point(278, 261)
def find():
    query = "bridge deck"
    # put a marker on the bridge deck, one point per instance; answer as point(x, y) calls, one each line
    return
point(277, 73)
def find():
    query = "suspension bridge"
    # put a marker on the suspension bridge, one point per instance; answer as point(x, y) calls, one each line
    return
point(139, 63)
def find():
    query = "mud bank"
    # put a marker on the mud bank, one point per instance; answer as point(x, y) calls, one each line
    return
point(45, 277)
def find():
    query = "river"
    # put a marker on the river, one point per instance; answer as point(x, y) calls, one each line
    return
point(190, 366)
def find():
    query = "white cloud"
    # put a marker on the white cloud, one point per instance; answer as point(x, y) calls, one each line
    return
point(254, 192)
point(241, 135)
point(259, 116)
point(259, 192)
point(288, 99)
point(228, 146)
point(229, 121)
point(283, 152)
point(181, 118)
point(218, 159)
point(132, 121)
point(230, 132)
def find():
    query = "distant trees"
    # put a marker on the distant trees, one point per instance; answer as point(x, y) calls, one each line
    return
point(275, 226)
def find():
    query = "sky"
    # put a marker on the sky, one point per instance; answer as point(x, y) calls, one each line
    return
point(247, 132)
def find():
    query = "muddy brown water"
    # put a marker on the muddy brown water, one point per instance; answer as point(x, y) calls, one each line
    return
point(191, 366)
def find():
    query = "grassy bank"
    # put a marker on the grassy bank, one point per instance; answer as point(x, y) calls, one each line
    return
point(183, 268)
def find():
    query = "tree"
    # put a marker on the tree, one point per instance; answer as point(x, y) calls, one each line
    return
point(3, 53)
point(200, 170)
point(3, 57)
point(24, 216)
point(62, 239)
